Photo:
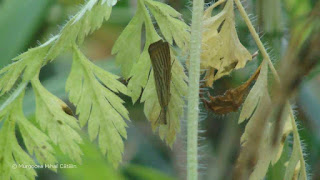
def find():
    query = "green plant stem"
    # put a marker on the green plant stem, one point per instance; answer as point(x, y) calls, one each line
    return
point(21, 87)
point(193, 91)
point(277, 78)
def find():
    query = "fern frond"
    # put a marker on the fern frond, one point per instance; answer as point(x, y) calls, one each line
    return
point(138, 67)
point(28, 63)
point(61, 127)
point(127, 47)
point(170, 23)
point(141, 69)
point(78, 27)
point(93, 90)
point(12, 156)
point(89, 18)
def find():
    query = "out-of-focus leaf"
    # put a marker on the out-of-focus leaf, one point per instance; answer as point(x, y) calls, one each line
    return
point(19, 21)
point(94, 166)
point(145, 173)
point(268, 152)
point(258, 90)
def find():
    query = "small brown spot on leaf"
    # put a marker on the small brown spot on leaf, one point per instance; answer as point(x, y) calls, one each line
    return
point(66, 109)
point(44, 147)
point(220, 26)
point(60, 122)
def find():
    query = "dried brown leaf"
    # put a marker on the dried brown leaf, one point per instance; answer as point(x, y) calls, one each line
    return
point(232, 98)
point(222, 51)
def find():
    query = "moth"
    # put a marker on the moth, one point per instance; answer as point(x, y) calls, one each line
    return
point(161, 63)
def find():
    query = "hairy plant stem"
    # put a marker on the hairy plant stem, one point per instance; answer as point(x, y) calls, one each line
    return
point(193, 90)
point(277, 78)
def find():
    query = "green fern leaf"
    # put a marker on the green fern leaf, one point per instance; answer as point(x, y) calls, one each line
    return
point(141, 69)
point(98, 105)
point(127, 46)
point(170, 23)
point(35, 140)
point(27, 63)
point(138, 68)
point(12, 156)
point(62, 128)
point(89, 18)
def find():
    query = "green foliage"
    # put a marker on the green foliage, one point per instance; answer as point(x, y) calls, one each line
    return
point(62, 128)
point(12, 156)
point(128, 44)
point(94, 165)
point(138, 66)
point(92, 90)
point(176, 104)
point(170, 23)
point(53, 114)
point(27, 63)
point(145, 173)
point(86, 21)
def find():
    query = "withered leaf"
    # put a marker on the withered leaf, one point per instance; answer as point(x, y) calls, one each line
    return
point(222, 50)
point(232, 98)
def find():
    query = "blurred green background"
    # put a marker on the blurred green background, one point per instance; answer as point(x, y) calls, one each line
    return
point(25, 23)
